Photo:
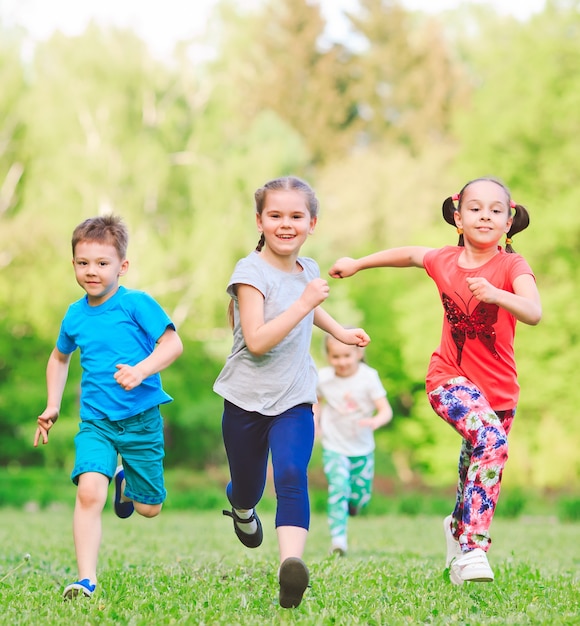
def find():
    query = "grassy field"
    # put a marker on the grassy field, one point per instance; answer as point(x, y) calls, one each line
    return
point(189, 568)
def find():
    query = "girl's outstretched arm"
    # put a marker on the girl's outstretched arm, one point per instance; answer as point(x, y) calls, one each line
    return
point(350, 336)
point(524, 304)
point(408, 256)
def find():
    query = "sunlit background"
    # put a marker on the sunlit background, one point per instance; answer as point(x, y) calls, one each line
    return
point(173, 113)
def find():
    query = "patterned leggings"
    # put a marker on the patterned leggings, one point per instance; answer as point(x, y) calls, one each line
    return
point(484, 452)
point(350, 480)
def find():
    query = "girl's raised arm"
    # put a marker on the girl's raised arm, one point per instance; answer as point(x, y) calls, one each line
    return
point(261, 336)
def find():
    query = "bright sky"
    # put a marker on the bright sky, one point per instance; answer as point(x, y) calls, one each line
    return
point(162, 23)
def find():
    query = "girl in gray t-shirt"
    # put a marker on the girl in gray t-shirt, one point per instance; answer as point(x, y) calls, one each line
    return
point(269, 380)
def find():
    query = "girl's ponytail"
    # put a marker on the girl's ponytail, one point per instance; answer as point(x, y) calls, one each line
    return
point(520, 221)
point(261, 243)
point(448, 209)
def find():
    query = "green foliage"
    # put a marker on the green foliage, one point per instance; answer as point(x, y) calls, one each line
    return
point(193, 436)
point(22, 385)
point(384, 131)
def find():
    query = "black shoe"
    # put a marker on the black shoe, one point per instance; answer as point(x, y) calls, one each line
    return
point(250, 541)
point(353, 510)
point(294, 579)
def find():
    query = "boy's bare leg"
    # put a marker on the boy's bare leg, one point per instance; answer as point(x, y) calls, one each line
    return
point(87, 529)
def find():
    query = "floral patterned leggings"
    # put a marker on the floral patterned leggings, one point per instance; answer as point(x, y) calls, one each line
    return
point(484, 452)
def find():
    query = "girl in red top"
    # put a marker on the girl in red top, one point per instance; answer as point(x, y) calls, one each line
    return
point(472, 380)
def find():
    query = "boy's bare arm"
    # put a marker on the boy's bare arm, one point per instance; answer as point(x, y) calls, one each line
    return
point(169, 348)
point(56, 375)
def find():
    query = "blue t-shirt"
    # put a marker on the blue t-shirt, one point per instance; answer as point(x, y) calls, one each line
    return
point(124, 329)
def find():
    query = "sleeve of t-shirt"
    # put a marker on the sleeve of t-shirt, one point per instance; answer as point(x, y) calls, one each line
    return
point(430, 259)
point(518, 267)
point(150, 316)
point(377, 389)
point(247, 273)
point(64, 342)
point(310, 267)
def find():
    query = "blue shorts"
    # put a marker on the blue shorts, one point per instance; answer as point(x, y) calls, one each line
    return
point(140, 442)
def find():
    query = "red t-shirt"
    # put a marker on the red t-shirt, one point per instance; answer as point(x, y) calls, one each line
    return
point(477, 340)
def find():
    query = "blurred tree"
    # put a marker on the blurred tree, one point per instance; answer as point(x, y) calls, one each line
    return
point(13, 126)
point(275, 59)
point(93, 124)
point(408, 84)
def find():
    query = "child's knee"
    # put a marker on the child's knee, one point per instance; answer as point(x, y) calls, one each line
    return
point(147, 510)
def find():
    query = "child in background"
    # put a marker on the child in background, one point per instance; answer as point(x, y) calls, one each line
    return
point(472, 381)
point(269, 380)
point(125, 339)
point(352, 405)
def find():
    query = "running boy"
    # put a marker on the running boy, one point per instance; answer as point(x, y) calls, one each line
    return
point(125, 339)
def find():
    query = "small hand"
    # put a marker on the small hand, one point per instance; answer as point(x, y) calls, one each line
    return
point(356, 337)
point(128, 376)
point(45, 422)
point(315, 292)
point(343, 268)
point(483, 290)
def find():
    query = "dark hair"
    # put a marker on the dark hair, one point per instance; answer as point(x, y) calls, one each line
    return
point(108, 229)
point(521, 218)
point(285, 183)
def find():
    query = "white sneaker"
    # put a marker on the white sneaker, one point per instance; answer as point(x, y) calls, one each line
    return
point(339, 545)
point(471, 567)
point(338, 550)
point(453, 546)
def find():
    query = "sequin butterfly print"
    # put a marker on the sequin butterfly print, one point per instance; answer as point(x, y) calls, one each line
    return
point(478, 324)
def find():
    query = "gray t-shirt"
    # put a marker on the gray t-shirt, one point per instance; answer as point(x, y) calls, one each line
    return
point(286, 375)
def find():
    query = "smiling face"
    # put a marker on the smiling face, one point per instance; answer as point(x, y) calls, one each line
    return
point(285, 222)
point(97, 268)
point(484, 214)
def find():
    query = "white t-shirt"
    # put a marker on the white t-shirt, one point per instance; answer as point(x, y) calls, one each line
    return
point(285, 376)
point(344, 402)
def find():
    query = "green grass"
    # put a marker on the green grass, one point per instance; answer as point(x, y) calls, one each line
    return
point(189, 568)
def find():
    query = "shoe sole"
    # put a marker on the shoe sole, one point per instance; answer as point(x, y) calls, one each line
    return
point(458, 580)
point(75, 590)
point(294, 579)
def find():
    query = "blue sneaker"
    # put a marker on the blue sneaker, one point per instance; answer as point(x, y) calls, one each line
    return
point(122, 509)
point(81, 587)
